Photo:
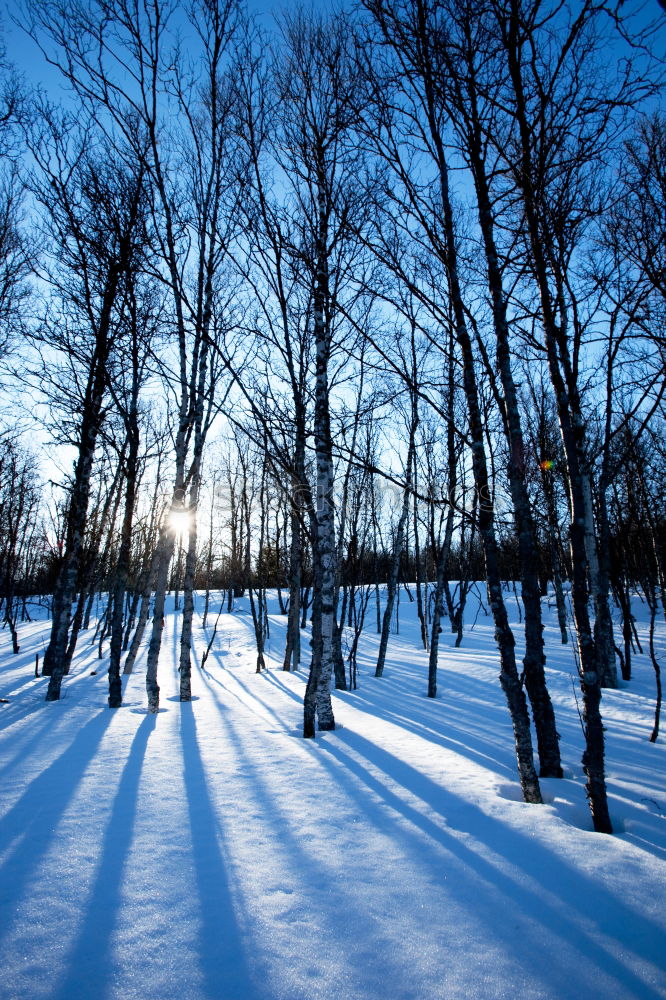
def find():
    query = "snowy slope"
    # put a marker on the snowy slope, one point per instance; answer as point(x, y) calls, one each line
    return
point(210, 852)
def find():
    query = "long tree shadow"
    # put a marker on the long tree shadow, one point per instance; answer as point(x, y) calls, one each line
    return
point(221, 945)
point(421, 726)
point(49, 718)
point(21, 666)
point(476, 873)
point(9, 689)
point(565, 901)
point(90, 965)
point(401, 696)
point(460, 734)
point(31, 700)
point(41, 807)
point(545, 868)
point(588, 899)
point(41, 731)
point(312, 888)
point(493, 749)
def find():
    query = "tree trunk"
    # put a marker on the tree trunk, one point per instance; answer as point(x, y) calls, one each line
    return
point(165, 547)
point(55, 657)
point(318, 689)
point(125, 549)
point(292, 654)
point(293, 646)
point(397, 552)
point(572, 431)
point(417, 567)
point(650, 594)
point(624, 600)
point(509, 678)
point(144, 610)
point(534, 660)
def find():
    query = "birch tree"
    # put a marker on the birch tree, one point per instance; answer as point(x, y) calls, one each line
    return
point(399, 542)
point(410, 124)
point(315, 87)
point(561, 111)
point(141, 317)
point(169, 110)
point(94, 221)
point(466, 75)
point(270, 261)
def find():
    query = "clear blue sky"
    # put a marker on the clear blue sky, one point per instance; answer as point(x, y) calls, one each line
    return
point(25, 55)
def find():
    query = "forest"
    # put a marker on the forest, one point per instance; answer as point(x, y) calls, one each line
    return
point(318, 311)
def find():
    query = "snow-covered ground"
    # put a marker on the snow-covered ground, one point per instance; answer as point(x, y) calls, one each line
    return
point(210, 853)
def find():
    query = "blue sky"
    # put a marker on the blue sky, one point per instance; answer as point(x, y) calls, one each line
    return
point(25, 55)
point(23, 52)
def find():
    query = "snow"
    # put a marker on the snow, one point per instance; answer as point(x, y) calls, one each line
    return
point(210, 853)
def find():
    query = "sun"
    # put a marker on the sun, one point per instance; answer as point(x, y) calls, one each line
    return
point(180, 521)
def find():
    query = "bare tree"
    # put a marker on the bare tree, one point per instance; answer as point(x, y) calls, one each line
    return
point(124, 63)
point(141, 315)
point(15, 251)
point(466, 75)
point(561, 113)
point(94, 221)
point(409, 122)
point(305, 253)
point(20, 527)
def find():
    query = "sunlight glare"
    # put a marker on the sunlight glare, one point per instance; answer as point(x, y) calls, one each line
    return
point(180, 521)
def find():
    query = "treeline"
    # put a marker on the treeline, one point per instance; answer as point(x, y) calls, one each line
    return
point(372, 297)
